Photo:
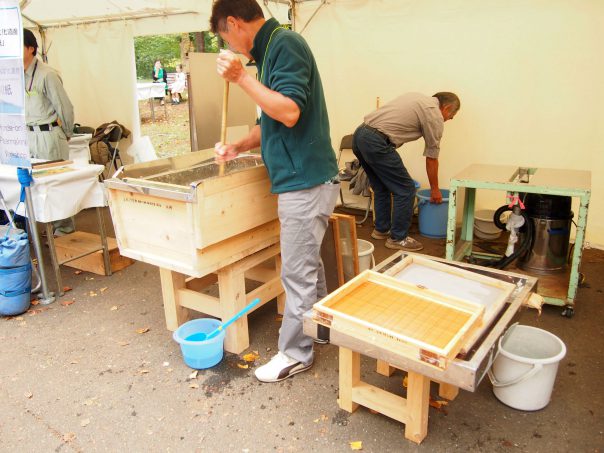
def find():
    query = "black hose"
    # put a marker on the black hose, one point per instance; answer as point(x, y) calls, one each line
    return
point(524, 246)
point(497, 216)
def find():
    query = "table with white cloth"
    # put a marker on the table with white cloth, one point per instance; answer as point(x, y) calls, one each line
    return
point(151, 91)
point(59, 193)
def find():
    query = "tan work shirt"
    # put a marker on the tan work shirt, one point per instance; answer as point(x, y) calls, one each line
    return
point(46, 102)
point(409, 117)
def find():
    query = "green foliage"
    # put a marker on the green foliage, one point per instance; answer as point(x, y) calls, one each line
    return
point(212, 42)
point(147, 49)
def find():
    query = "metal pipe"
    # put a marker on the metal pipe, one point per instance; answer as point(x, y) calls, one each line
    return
point(47, 296)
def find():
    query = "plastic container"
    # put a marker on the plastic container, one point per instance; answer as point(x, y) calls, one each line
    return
point(200, 354)
point(524, 371)
point(366, 260)
point(484, 227)
point(432, 216)
point(15, 275)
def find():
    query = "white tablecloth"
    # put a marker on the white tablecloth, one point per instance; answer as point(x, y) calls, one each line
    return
point(150, 90)
point(56, 196)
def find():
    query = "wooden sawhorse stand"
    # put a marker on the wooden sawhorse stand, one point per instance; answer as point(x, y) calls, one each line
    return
point(412, 411)
point(182, 293)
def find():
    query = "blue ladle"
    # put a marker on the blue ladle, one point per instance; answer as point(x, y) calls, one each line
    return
point(202, 336)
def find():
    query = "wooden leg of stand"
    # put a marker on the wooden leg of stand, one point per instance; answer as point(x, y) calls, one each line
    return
point(418, 404)
point(350, 375)
point(280, 297)
point(384, 368)
point(448, 391)
point(231, 285)
point(171, 282)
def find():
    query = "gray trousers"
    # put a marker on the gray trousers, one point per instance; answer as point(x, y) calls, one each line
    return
point(304, 215)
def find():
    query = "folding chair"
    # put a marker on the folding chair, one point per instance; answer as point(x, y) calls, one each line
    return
point(113, 142)
point(346, 143)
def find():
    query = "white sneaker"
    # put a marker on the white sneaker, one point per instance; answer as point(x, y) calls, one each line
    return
point(280, 367)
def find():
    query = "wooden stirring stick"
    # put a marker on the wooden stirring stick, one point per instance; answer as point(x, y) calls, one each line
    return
point(223, 126)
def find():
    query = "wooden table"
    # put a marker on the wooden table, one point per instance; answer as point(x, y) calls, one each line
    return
point(465, 373)
point(182, 293)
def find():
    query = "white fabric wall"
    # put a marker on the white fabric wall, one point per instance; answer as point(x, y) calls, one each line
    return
point(529, 75)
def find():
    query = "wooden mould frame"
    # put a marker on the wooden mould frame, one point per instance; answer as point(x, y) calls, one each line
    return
point(491, 310)
point(397, 342)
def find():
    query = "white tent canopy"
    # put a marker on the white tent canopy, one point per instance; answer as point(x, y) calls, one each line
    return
point(528, 73)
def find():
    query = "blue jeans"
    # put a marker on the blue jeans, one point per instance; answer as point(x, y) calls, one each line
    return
point(388, 177)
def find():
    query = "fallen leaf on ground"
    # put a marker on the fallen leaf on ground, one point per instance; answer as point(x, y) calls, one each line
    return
point(113, 308)
point(193, 375)
point(33, 312)
point(67, 289)
point(65, 303)
point(438, 403)
point(251, 357)
point(78, 272)
point(104, 289)
point(243, 366)
point(35, 302)
point(193, 385)
point(85, 422)
point(29, 395)
point(143, 371)
point(143, 330)
point(68, 437)
point(356, 445)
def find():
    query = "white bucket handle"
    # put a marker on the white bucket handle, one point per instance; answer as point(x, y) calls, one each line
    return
point(529, 374)
point(491, 358)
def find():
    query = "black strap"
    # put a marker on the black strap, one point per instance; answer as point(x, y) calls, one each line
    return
point(44, 127)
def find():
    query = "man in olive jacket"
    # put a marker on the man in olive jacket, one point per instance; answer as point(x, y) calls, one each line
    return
point(293, 132)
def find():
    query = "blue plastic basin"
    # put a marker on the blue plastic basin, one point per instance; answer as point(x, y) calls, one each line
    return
point(200, 354)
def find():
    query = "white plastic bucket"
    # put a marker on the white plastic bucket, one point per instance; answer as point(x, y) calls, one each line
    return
point(366, 260)
point(525, 368)
point(484, 226)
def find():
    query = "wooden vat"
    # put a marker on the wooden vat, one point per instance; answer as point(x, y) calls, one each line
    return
point(406, 319)
point(178, 214)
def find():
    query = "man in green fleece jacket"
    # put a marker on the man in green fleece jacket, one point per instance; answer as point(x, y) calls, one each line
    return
point(293, 132)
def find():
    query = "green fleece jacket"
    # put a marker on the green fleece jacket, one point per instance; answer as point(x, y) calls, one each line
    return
point(299, 157)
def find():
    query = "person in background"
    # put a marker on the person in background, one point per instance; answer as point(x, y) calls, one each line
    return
point(403, 120)
point(296, 148)
point(160, 76)
point(48, 113)
point(178, 87)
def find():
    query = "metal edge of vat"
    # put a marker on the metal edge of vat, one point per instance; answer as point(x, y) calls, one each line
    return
point(145, 186)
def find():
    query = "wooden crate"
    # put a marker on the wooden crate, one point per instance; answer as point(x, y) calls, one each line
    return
point(415, 322)
point(427, 273)
point(194, 229)
point(79, 242)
